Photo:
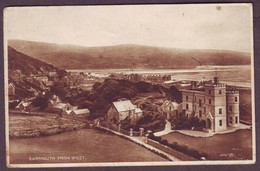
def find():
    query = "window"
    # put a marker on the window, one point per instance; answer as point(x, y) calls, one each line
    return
point(236, 119)
point(187, 106)
point(170, 108)
point(220, 110)
point(209, 91)
point(230, 108)
point(220, 122)
point(187, 98)
point(235, 99)
point(220, 92)
point(209, 101)
point(230, 120)
point(200, 113)
point(200, 102)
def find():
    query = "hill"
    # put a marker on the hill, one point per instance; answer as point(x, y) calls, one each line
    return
point(26, 64)
point(126, 56)
point(23, 71)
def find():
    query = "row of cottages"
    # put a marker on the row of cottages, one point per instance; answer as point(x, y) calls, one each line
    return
point(212, 103)
point(121, 110)
point(170, 109)
point(57, 106)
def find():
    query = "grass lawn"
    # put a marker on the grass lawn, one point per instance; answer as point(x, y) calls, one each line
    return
point(231, 146)
point(245, 105)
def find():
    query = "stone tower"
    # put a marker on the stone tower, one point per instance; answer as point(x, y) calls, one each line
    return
point(232, 108)
point(215, 106)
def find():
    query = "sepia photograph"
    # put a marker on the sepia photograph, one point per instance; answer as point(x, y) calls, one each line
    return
point(129, 85)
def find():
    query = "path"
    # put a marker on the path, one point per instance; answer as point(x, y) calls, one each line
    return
point(205, 134)
point(167, 129)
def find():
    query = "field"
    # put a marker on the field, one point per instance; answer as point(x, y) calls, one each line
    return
point(89, 145)
point(231, 146)
point(245, 105)
point(25, 125)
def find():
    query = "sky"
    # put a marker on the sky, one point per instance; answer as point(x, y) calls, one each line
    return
point(214, 26)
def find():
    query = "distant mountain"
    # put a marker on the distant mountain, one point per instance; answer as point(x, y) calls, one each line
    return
point(126, 56)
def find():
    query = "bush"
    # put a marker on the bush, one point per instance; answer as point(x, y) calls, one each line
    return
point(182, 122)
point(179, 147)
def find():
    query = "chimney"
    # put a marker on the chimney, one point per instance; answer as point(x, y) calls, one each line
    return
point(193, 85)
point(215, 80)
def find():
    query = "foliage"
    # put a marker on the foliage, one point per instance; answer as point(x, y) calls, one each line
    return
point(182, 122)
point(179, 147)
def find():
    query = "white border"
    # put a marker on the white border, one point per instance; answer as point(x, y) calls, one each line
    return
point(115, 164)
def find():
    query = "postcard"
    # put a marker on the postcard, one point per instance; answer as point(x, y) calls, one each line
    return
point(129, 85)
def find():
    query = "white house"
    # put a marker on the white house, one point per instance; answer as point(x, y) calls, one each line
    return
point(23, 105)
point(120, 110)
point(80, 112)
point(170, 109)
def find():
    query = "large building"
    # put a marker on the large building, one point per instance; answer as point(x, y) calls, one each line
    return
point(212, 103)
point(120, 110)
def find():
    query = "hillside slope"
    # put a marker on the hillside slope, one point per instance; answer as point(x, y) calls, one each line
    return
point(26, 64)
point(21, 67)
point(126, 56)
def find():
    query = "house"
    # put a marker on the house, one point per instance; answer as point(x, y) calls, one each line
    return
point(212, 103)
point(11, 89)
point(43, 79)
point(61, 107)
point(170, 109)
point(24, 105)
point(80, 112)
point(52, 74)
point(120, 110)
point(134, 77)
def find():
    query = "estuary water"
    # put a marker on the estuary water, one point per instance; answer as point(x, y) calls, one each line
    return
point(239, 75)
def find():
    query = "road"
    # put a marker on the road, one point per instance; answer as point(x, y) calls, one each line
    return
point(167, 129)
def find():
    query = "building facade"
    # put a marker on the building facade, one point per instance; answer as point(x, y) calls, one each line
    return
point(170, 109)
point(120, 110)
point(212, 103)
point(11, 89)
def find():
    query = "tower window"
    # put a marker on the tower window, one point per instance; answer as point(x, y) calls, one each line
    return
point(230, 108)
point(200, 102)
point(220, 122)
point(236, 119)
point(187, 98)
point(209, 101)
point(235, 99)
point(230, 120)
point(220, 111)
point(200, 113)
point(220, 92)
point(187, 106)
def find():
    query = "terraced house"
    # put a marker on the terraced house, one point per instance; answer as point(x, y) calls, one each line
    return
point(212, 103)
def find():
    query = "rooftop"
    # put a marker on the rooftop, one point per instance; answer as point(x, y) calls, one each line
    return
point(122, 106)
